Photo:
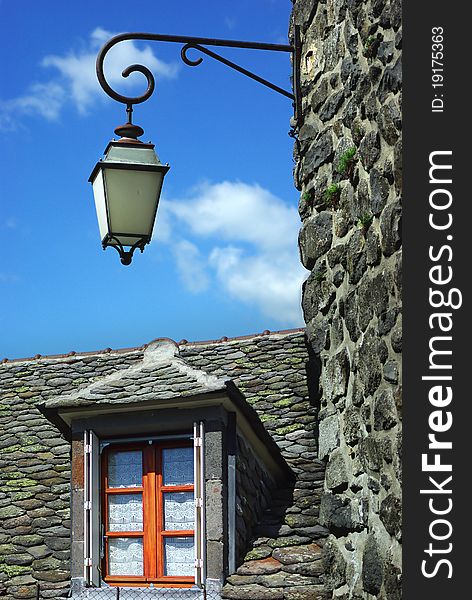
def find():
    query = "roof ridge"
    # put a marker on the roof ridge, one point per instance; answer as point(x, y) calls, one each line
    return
point(142, 348)
point(225, 339)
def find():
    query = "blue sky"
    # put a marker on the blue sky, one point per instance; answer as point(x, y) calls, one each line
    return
point(224, 258)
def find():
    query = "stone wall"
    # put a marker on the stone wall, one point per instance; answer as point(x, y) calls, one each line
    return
point(254, 487)
point(348, 170)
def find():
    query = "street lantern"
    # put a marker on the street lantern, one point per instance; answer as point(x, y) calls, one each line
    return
point(126, 186)
point(127, 182)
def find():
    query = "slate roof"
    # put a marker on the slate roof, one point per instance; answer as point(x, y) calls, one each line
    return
point(271, 370)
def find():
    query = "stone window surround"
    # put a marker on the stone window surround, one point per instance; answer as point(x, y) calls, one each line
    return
point(120, 427)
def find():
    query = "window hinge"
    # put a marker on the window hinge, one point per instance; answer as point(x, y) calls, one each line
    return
point(198, 563)
point(198, 502)
point(88, 449)
point(88, 505)
point(88, 562)
point(198, 442)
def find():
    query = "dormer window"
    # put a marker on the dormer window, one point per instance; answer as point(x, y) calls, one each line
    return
point(172, 468)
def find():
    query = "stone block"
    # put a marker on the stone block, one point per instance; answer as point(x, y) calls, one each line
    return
point(370, 453)
point(254, 592)
point(319, 153)
point(335, 565)
point(336, 477)
point(214, 510)
point(320, 94)
point(214, 452)
point(369, 150)
point(336, 376)
point(297, 554)
point(385, 412)
point(215, 559)
point(328, 435)
point(390, 228)
point(368, 362)
point(379, 191)
point(353, 427)
point(372, 567)
point(391, 514)
point(337, 515)
point(315, 238)
point(389, 122)
point(305, 592)
point(318, 294)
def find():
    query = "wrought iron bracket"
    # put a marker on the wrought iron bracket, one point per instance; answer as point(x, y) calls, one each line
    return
point(198, 43)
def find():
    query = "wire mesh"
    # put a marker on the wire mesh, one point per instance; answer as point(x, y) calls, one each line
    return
point(243, 592)
point(136, 593)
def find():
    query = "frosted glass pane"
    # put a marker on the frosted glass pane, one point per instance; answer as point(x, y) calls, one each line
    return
point(132, 199)
point(100, 206)
point(177, 466)
point(179, 558)
point(179, 511)
point(125, 556)
point(125, 469)
point(125, 512)
point(132, 155)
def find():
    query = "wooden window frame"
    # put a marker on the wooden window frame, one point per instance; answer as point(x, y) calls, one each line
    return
point(153, 534)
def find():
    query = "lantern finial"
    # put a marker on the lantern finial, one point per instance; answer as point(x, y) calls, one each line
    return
point(129, 131)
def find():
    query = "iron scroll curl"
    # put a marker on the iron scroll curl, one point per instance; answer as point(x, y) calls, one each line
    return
point(135, 68)
point(193, 43)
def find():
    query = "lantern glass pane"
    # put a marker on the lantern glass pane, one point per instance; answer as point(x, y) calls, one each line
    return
point(121, 153)
point(132, 198)
point(100, 203)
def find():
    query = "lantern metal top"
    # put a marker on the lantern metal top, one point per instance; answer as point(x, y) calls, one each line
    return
point(124, 154)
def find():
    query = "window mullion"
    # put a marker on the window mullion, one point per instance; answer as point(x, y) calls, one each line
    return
point(149, 511)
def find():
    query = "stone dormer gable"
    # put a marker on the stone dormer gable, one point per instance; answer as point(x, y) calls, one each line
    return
point(162, 375)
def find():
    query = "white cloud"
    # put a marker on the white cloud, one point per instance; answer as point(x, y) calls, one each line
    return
point(252, 239)
point(273, 283)
point(43, 99)
point(236, 211)
point(75, 80)
point(191, 266)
